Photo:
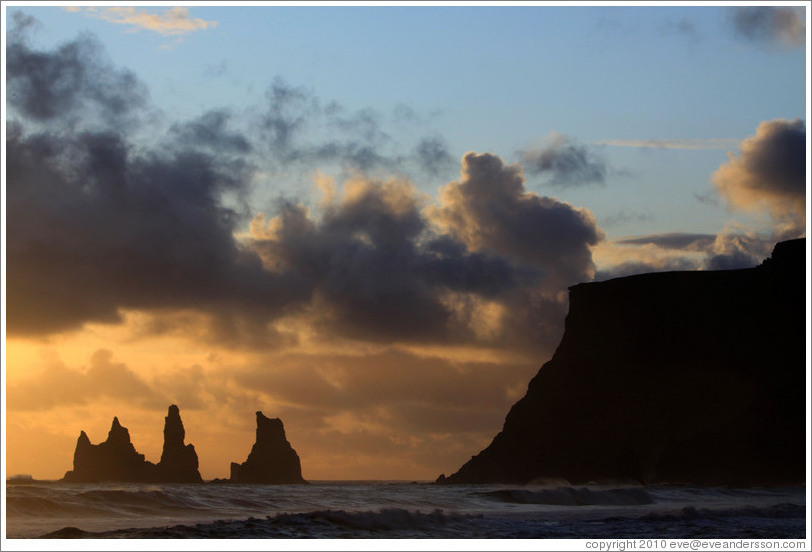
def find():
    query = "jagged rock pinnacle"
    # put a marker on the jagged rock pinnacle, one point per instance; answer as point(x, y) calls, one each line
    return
point(117, 460)
point(272, 459)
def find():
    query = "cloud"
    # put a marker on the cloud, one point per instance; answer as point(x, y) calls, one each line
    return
point(94, 226)
point(489, 209)
point(769, 173)
point(732, 248)
point(298, 130)
point(57, 385)
point(770, 25)
point(378, 268)
point(565, 162)
point(674, 240)
point(433, 155)
point(74, 82)
point(102, 224)
point(211, 131)
point(629, 256)
point(386, 405)
point(169, 22)
point(334, 383)
point(18, 32)
point(686, 143)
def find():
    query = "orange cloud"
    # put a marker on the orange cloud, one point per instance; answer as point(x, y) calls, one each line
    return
point(171, 22)
point(59, 385)
point(348, 415)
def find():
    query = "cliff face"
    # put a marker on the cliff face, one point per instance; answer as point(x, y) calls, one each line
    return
point(117, 460)
point(272, 459)
point(680, 377)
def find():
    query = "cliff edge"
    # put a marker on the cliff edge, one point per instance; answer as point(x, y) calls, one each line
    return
point(674, 377)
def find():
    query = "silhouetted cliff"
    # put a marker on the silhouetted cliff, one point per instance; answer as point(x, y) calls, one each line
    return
point(272, 459)
point(117, 460)
point(679, 377)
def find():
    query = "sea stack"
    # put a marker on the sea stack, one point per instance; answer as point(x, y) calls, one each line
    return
point(272, 459)
point(179, 462)
point(117, 460)
point(676, 377)
point(113, 460)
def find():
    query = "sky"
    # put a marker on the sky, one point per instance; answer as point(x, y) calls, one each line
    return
point(362, 220)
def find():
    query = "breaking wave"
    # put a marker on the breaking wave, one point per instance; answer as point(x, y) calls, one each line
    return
point(787, 521)
point(400, 510)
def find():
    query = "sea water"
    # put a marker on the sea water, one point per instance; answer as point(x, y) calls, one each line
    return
point(370, 509)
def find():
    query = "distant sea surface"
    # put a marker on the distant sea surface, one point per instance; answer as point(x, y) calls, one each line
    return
point(374, 509)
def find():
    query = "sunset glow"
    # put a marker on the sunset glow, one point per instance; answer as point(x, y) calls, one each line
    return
point(363, 221)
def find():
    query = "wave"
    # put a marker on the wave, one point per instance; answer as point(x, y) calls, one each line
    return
point(775, 511)
point(571, 496)
point(322, 524)
point(401, 511)
point(135, 499)
point(35, 506)
point(781, 521)
point(42, 503)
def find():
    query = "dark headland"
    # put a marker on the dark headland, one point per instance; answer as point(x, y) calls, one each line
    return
point(676, 377)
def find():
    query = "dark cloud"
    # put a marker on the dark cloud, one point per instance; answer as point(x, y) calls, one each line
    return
point(565, 162)
point(94, 226)
point(674, 240)
point(288, 110)
point(300, 130)
point(211, 131)
point(99, 223)
point(433, 155)
point(376, 267)
point(23, 24)
point(769, 172)
point(490, 210)
point(75, 81)
point(770, 25)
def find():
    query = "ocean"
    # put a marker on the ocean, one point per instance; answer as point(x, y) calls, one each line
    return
point(395, 510)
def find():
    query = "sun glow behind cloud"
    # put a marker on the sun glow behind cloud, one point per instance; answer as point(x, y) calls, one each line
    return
point(391, 328)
